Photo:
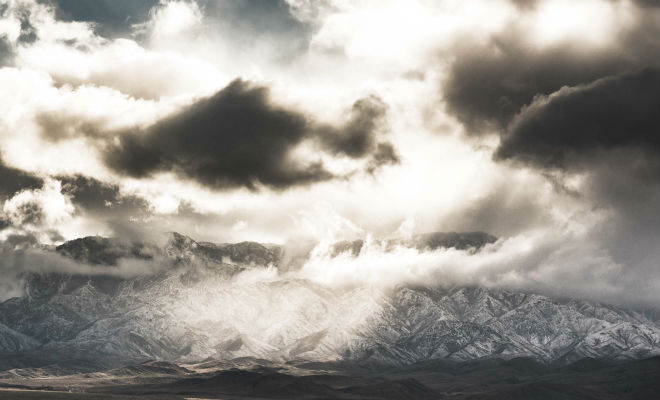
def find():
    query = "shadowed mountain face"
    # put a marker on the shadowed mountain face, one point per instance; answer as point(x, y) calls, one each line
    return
point(246, 253)
point(210, 301)
point(98, 250)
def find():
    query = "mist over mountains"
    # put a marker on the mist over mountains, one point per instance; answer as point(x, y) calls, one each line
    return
point(224, 301)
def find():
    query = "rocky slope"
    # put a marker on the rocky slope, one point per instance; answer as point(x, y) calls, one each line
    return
point(12, 341)
point(222, 301)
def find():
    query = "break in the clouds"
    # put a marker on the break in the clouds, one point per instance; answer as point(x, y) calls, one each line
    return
point(297, 122)
point(110, 18)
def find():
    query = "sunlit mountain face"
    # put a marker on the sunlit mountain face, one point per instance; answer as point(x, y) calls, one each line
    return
point(329, 199)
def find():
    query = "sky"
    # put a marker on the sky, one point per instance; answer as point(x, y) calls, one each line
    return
point(300, 121)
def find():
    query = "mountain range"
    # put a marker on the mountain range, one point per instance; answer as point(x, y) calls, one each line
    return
point(226, 301)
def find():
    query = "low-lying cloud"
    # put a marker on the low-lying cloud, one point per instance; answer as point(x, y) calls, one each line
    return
point(563, 264)
point(21, 256)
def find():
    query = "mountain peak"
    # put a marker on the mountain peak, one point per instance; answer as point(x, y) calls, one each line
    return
point(457, 240)
point(98, 250)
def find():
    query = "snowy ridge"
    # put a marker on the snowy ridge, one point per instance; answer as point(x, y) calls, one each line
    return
point(203, 307)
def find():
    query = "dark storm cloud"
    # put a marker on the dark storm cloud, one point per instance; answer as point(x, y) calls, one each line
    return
point(571, 111)
point(357, 137)
point(103, 201)
point(487, 87)
point(238, 137)
point(614, 112)
point(489, 84)
point(94, 195)
point(609, 132)
point(112, 18)
point(234, 138)
point(14, 180)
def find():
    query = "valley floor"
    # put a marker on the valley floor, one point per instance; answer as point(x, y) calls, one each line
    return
point(15, 394)
point(436, 379)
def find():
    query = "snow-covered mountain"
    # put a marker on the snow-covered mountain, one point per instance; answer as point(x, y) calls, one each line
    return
point(222, 301)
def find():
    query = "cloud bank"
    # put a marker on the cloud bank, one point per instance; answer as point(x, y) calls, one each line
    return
point(294, 121)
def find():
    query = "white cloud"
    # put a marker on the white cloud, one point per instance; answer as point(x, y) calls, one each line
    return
point(591, 22)
point(171, 19)
point(41, 210)
point(559, 263)
point(395, 49)
point(34, 94)
point(10, 28)
point(123, 65)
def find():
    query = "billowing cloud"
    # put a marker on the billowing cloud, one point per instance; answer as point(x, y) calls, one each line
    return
point(535, 262)
point(39, 212)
